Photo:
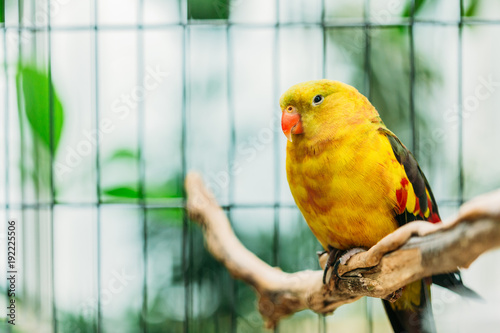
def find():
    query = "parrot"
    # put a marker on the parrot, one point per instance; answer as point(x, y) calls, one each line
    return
point(355, 182)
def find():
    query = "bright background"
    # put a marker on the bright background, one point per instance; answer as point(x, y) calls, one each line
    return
point(172, 86)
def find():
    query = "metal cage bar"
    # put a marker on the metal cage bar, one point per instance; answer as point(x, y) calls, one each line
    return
point(51, 175)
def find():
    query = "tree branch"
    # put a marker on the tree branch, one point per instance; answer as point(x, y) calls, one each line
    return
point(416, 250)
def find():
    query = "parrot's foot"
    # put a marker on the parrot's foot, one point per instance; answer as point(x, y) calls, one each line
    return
point(320, 253)
point(394, 296)
point(337, 257)
point(333, 256)
point(344, 258)
point(348, 254)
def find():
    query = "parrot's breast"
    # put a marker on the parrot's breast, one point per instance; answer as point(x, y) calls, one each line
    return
point(346, 189)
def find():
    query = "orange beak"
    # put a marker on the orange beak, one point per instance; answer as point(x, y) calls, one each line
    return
point(291, 122)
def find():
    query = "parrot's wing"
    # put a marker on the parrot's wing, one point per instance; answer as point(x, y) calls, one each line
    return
point(416, 202)
point(422, 191)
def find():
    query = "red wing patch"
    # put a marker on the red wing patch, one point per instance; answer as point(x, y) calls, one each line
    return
point(409, 204)
point(402, 195)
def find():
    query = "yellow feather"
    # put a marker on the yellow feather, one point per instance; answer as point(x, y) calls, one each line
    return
point(342, 170)
point(412, 199)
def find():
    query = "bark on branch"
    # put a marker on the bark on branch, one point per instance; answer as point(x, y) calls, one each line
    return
point(414, 251)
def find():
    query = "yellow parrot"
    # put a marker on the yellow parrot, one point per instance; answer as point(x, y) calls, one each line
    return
point(355, 182)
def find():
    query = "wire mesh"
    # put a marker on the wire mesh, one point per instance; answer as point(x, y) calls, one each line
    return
point(274, 207)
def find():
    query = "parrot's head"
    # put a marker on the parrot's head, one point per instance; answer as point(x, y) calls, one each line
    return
point(314, 109)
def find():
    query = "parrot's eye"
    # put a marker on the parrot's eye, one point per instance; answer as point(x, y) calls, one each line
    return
point(318, 99)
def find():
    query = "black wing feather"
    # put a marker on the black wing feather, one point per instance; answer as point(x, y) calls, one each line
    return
point(451, 281)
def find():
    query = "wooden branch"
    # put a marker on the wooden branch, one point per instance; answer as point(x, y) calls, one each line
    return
point(414, 251)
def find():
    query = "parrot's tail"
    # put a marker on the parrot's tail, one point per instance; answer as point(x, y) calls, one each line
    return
point(412, 312)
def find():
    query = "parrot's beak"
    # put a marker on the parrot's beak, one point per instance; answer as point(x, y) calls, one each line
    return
point(291, 122)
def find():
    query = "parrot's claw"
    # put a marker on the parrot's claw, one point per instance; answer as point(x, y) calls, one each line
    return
point(337, 257)
point(320, 253)
point(333, 256)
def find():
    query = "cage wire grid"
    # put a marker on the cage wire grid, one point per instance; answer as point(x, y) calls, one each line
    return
point(142, 205)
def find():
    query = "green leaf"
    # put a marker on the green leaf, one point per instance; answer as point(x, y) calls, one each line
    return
point(209, 9)
point(122, 192)
point(124, 154)
point(33, 98)
point(160, 218)
point(2, 11)
point(472, 9)
point(171, 189)
point(418, 6)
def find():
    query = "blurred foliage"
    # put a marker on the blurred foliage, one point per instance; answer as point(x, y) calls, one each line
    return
point(38, 106)
point(389, 90)
point(168, 190)
point(2, 11)
point(36, 102)
point(209, 9)
point(171, 189)
point(123, 154)
point(122, 192)
point(418, 6)
point(75, 323)
point(472, 8)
